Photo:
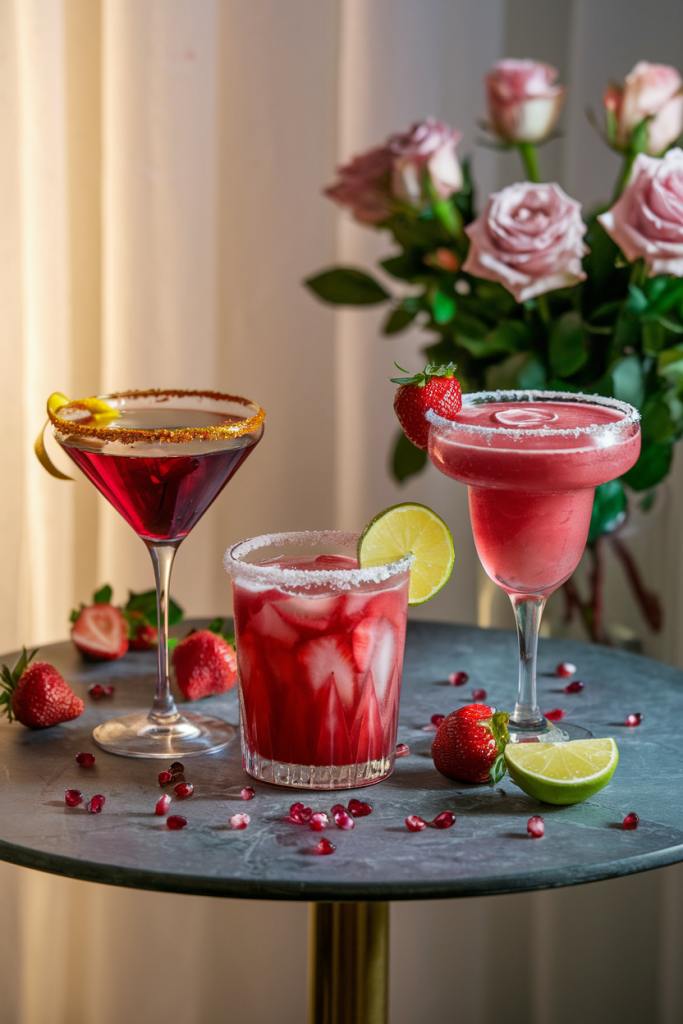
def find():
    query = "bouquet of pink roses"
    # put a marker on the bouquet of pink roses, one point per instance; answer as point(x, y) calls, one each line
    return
point(526, 293)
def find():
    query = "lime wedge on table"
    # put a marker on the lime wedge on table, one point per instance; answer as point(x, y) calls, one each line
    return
point(562, 773)
point(413, 529)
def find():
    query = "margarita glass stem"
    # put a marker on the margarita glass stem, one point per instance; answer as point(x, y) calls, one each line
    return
point(528, 612)
point(164, 710)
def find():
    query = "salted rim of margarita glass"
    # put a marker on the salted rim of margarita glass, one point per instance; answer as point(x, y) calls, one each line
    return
point(277, 576)
point(97, 423)
point(630, 418)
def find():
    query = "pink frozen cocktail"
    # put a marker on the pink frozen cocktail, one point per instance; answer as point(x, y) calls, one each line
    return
point(320, 651)
point(532, 461)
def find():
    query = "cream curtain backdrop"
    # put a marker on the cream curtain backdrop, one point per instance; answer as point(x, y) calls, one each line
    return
point(160, 172)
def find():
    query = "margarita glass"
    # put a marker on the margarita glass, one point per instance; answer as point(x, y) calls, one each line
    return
point(319, 656)
point(532, 461)
point(161, 458)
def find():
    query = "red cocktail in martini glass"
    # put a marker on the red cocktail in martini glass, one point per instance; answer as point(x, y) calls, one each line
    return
point(161, 458)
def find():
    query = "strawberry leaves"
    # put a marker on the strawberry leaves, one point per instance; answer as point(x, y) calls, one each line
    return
point(499, 721)
point(9, 679)
point(424, 377)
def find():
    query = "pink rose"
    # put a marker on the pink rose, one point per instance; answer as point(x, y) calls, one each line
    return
point(523, 102)
point(369, 183)
point(427, 146)
point(650, 90)
point(647, 219)
point(529, 238)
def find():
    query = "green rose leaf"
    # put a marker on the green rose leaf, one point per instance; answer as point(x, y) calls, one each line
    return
point(567, 350)
point(652, 466)
point(627, 380)
point(608, 507)
point(407, 460)
point(398, 320)
point(443, 307)
point(347, 286)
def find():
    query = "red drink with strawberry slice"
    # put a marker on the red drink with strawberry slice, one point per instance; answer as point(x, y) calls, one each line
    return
point(319, 651)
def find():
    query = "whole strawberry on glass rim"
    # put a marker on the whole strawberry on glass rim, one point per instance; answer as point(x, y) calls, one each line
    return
point(469, 744)
point(434, 388)
point(37, 695)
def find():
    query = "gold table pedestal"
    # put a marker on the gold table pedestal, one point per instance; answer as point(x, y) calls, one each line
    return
point(348, 963)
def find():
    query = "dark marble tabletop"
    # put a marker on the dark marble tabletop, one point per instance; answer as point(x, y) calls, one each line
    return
point(487, 851)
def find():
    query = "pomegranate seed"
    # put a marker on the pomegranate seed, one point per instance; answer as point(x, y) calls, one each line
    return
point(96, 691)
point(535, 826)
point(108, 690)
point(575, 687)
point(248, 793)
point(359, 809)
point(565, 669)
point(183, 790)
point(444, 820)
point(164, 778)
point(175, 822)
point(343, 820)
point(414, 823)
point(630, 821)
point(556, 715)
point(239, 821)
point(299, 814)
point(458, 678)
point(430, 728)
point(336, 809)
point(402, 750)
point(85, 760)
point(96, 804)
point(634, 719)
point(177, 767)
point(478, 694)
point(163, 804)
point(324, 847)
point(73, 797)
point(319, 821)
point(437, 720)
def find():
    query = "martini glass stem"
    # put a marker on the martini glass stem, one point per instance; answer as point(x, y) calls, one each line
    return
point(164, 709)
point(528, 612)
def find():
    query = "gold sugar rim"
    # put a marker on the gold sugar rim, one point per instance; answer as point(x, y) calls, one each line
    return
point(182, 436)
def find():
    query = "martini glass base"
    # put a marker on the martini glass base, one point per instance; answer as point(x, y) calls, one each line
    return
point(548, 732)
point(138, 735)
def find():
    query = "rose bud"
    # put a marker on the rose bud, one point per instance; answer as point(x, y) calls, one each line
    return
point(529, 238)
point(649, 90)
point(523, 101)
point(427, 146)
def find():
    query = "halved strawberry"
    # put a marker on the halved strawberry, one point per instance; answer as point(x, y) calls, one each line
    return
point(100, 632)
point(205, 663)
point(37, 695)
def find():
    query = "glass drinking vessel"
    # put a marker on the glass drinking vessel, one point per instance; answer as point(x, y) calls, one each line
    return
point(161, 458)
point(319, 655)
point(532, 461)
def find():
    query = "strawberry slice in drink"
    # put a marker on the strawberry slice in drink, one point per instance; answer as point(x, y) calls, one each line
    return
point(374, 648)
point(314, 613)
point(333, 742)
point(329, 655)
point(367, 735)
point(269, 623)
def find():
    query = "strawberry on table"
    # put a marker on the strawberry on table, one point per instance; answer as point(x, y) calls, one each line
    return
point(37, 695)
point(100, 632)
point(205, 663)
point(469, 744)
point(435, 388)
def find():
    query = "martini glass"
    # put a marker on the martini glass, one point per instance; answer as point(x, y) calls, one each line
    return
point(161, 458)
point(532, 461)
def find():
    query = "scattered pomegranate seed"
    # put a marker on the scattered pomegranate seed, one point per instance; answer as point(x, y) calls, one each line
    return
point(108, 690)
point(359, 809)
point(319, 821)
point(575, 687)
point(565, 669)
point(175, 822)
point(444, 820)
point(630, 821)
point(299, 814)
point(336, 809)
point(343, 820)
point(85, 760)
point(535, 826)
point(478, 694)
point(163, 804)
point(556, 715)
point(165, 778)
point(177, 767)
point(96, 804)
point(324, 847)
point(458, 678)
point(634, 719)
point(414, 823)
point(248, 793)
point(73, 797)
point(437, 720)
point(239, 821)
point(402, 750)
point(183, 790)
point(96, 691)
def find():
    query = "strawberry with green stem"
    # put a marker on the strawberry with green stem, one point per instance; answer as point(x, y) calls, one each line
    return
point(205, 662)
point(469, 744)
point(434, 388)
point(36, 694)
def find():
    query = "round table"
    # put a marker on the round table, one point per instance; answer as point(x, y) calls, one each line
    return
point(486, 852)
